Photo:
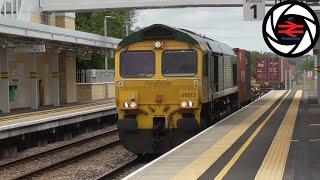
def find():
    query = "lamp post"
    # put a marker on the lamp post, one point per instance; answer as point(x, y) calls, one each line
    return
point(106, 35)
point(127, 24)
point(106, 24)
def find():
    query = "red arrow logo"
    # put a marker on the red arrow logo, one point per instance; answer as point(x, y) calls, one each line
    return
point(290, 29)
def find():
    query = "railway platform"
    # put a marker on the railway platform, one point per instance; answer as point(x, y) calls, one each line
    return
point(23, 122)
point(275, 137)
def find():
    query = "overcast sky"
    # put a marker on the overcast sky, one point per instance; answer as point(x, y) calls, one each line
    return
point(222, 24)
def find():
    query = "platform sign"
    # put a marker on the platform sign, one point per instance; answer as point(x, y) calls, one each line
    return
point(254, 10)
point(31, 48)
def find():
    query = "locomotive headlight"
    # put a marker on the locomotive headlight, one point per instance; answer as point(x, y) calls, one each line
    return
point(121, 83)
point(190, 104)
point(196, 82)
point(158, 45)
point(184, 104)
point(133, 104)
point(126, 105)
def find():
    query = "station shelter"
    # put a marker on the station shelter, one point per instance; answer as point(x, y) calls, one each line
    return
point(38, 58)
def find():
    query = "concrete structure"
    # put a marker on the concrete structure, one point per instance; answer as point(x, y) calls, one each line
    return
point(38, 60)
point(4, 80)
point(91, 91)
point(86, 5)
point(50, 119)
point(38, 128)
point(317, 79)
point(317, 63)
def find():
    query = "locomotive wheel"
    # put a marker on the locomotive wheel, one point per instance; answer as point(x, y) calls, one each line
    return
point(229, 108)
point(140, 155)
point(203, 124)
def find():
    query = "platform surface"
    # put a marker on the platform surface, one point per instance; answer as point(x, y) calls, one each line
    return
point(275, 137)
point(27, 122)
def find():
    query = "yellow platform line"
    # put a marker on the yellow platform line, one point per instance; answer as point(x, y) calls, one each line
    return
point(237, 155)
point(274, 163)
point(197, 167)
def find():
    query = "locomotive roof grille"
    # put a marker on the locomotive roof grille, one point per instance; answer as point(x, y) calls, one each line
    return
point(155, 33)
point(160, 31)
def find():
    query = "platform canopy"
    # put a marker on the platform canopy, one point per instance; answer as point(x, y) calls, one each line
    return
point(89, 5)
point(17, 32)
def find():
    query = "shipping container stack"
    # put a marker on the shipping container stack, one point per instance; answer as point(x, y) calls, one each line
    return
point(274, 73)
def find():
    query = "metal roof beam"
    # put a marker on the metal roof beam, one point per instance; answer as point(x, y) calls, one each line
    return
point(96, 5)
point(92, 5)
point(22, 29)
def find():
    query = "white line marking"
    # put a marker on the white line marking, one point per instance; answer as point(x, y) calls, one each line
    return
point(314, 124)
point(314, 140)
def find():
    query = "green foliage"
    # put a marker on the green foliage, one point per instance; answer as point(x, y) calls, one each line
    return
point(96, 62)
point(93, 22)
point(291, 61)
point(305, 63)
point(309, 65)
point(255, 55)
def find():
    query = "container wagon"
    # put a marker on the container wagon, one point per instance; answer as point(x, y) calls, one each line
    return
point(271, 73)
point(244, 76)
point(292, 71)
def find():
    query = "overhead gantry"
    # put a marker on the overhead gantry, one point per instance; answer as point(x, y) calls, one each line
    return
point(90, 5)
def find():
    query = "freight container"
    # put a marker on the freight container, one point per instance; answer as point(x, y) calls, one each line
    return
point(292, 71)
point(244, 76)
point(271, 72)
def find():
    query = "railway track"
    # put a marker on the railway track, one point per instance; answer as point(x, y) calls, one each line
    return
point(127, 168)
point(57, 110)
point(118, 170)
point(55, 151)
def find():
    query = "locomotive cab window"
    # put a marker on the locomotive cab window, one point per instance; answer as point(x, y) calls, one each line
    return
point(137, 64)
point(179, 63)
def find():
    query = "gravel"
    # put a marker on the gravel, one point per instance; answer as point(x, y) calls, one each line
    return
point(129, 171)
point(91, 167)
point(141, 162)
point(19, 169)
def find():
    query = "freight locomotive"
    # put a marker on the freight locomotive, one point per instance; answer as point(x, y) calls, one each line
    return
point(171, 83)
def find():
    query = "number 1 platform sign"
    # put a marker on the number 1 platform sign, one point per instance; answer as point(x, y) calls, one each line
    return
point(254, 10)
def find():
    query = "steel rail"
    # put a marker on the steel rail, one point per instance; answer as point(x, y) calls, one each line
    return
point(60, 148)
point(67, 160)
point(118, 170)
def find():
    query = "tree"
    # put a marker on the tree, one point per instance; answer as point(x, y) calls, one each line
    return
point(309, 65)
point(93, 22)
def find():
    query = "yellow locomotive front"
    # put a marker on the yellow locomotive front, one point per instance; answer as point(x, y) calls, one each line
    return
point(158, 91)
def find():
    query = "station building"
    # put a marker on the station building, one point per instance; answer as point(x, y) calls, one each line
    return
point(38, 57)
